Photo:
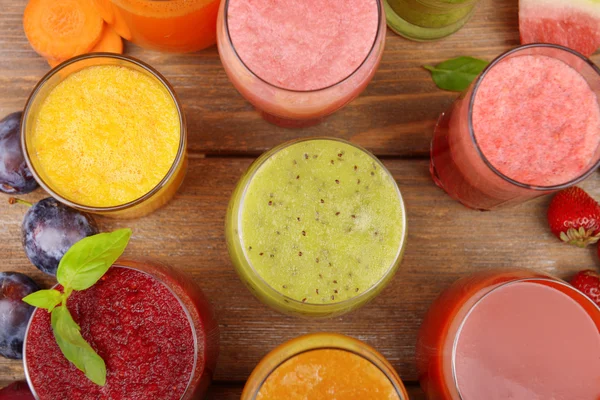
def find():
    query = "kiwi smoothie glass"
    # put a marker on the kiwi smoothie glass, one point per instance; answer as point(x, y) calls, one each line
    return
point(316, 227)
point(424, 20)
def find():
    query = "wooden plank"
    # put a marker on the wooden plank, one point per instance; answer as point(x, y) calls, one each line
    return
point(445, 242)
point(395, 116)
point(226, 392)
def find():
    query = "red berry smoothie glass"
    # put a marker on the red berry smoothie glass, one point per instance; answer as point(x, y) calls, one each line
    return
point(511, 334)
point(152, 326)
point(299, 61)
point(528, 126)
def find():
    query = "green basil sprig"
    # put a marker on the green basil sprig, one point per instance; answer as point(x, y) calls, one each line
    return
point(456, 74)
point(80, 268)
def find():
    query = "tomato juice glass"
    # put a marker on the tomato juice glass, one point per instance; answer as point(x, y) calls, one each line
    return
point(178, 26)
point(143, 318)
point(515, 334)
point(123, 142)
point(327, 364)
point(527, 126)
point(285, 69)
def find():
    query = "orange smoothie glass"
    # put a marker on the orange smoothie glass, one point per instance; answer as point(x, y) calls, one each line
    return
point(178, 26)
point(515, 334)
point(320, 366)
point(118, 148)
point(295, 79)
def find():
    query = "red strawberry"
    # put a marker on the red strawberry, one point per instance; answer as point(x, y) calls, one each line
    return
point(574, 217)
point(588, 282)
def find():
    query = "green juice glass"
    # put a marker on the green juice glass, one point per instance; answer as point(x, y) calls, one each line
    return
point(316, 227)
point(424, 20)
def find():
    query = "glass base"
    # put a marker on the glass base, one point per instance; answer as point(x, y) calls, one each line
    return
point(290, 123)
point(420, 33)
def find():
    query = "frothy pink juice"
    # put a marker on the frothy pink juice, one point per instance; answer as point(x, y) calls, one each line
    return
point(303, 44)
point(537, 120)
point(528, 341)
point(303, 59)
point(531, 123)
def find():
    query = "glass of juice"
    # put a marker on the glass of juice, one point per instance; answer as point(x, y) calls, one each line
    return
point(324, 366)
point(106, 134)
point(178, 26)
point(152, 326)
point(316, 227)
point(299, 61)
point(510, 334)
point(529, 125)
point(424, 20)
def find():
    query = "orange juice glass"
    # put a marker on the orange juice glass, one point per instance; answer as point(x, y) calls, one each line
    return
point(112, 149)
point(323, 366)
point(178, 26)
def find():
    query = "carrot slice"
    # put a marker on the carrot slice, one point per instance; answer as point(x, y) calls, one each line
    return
point(52, 62)
point(61, 29)
point(105, 9)
point(109, 42)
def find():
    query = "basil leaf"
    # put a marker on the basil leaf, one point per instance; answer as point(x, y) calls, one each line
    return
point(87, 260)
point(47, 299)
point(456, 74)
point(75, 348)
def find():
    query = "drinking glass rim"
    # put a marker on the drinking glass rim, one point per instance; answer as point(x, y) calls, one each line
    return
point(256, 166)
point(554, 281)
point(127, 59)
point(330, 336)
point(185, 309)
point(473, 96)
point(378, 34)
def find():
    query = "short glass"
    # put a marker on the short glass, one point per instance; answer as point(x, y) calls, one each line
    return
point(178, 26)
point(263, 290)
point(318, 341)
point(294, 108)
point(205, 328)
point(423, 20)
point(162, 192)
point(458, 165)
point(442, 325)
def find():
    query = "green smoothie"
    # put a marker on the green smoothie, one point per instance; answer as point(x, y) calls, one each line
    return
point(428, 19)
point(321, 221)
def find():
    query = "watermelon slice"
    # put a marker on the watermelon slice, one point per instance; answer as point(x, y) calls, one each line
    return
point(571, 23)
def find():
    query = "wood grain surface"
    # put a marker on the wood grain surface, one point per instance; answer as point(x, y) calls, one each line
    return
point(394, 118)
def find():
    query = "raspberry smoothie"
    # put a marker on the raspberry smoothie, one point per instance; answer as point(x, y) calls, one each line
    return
point(531, 123)
point(158, 338)
point(300, 60)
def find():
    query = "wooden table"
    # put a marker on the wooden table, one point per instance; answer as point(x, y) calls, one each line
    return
point(393, 118)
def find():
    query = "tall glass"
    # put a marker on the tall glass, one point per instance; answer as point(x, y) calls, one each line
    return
point(205, 329)
point(446, 318)
point(459, 166)
point(296, 108)
point(178, 26)
point(319, 341)
point(424, 20)
point(161, 193)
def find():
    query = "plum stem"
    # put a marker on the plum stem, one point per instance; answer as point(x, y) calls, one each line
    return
point(14, 200)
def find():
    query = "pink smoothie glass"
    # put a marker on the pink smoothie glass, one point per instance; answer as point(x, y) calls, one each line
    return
point(545, 145)
point(510, 334)
point(298, 62)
